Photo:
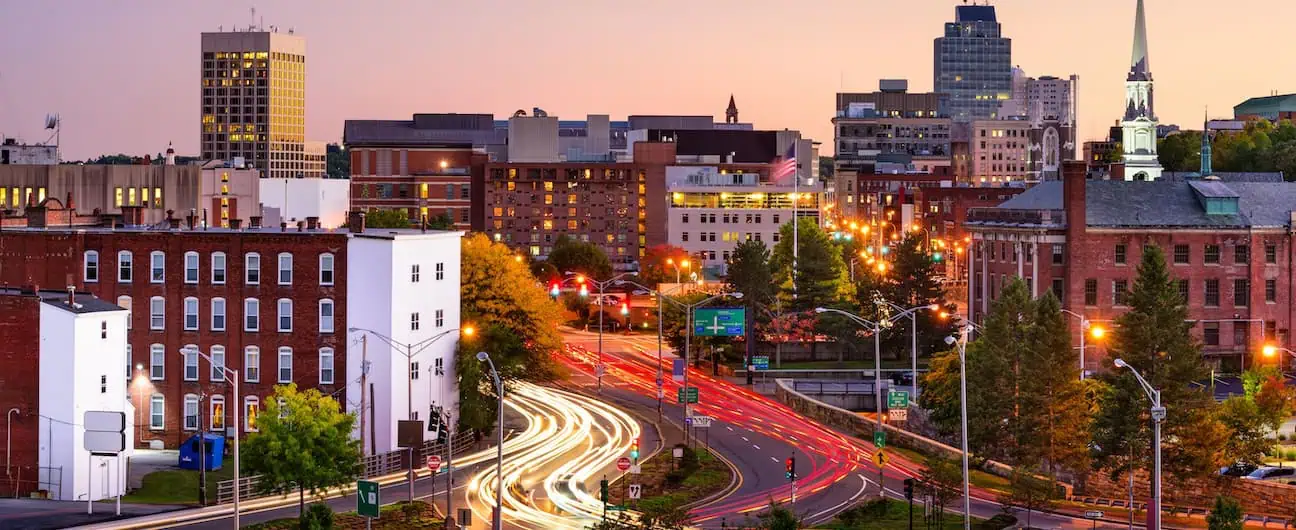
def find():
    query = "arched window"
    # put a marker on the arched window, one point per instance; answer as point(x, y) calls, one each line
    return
point(191, 412)
point(251, 407)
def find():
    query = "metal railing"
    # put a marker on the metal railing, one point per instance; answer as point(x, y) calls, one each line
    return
point(370, 466)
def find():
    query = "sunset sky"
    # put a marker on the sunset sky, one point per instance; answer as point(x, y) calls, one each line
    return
point(124, 75)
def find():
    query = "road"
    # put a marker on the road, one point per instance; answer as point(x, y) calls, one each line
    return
point(756, 433)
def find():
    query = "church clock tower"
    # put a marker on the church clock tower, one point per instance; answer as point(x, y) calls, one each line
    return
point(1139, 138)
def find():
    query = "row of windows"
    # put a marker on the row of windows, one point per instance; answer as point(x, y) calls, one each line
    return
point(251, 364)
point(705, 218)
point(1210, 292)
point(218, 268)
point(704, 237)
point(215, 413)
point(251, 314)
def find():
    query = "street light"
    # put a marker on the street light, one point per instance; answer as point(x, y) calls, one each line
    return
point(688, 335)
point(1158, 416)
point(913, 318)
point(962, 349)
point(1270, 350)
point(498, 523)
point(584, 291)
point(238, 405)
point(1086, 328)
point(682, 263)
point(660, 382)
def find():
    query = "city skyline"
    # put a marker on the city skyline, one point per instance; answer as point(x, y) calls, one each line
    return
point(629, 59)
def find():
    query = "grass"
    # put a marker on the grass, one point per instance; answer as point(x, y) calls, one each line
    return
point(894, 515)
point(708, 476)
point(976, 477)
point(177, 486)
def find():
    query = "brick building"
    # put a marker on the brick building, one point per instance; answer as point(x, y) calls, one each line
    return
point(425, 178)
point(270, 301)
point(1228, 244)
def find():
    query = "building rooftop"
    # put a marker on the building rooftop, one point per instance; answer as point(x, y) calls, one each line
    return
point(420, 132)
point(1266, 106)
point(1183, 176)
point(974, 14)
point(82, 303)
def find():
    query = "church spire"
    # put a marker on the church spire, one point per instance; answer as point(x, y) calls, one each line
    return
point(731, 113)
point(1206, 169)
point(1140, 66)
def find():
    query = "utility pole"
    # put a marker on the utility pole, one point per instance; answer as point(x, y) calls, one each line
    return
point(364, 386)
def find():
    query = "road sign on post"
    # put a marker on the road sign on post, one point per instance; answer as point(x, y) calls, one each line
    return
point(719, 322)
point(603, 491)
point(900, 414)
point(692, 394)
point(367, 498)
point(760, 363)
point(635, 491)
point(434, 462)
point(898, 399)
point(623, 464)
point(880, 458)
point(879, 439)
point(677, 370)
point(702, 421)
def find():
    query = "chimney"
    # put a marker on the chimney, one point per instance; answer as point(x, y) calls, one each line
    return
point(71, 296)
point(236, 224)
point(312, 223)
point(191, 220)
point(254, 222)
point(283, 226)
point(301, 225)
point(1074, 176)
point(356, 222)
point(175, 223)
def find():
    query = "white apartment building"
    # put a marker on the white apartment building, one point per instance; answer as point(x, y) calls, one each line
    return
point(402, 290)
point(289, 199)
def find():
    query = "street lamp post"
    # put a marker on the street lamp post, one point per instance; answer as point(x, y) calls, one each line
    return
point(682, 263)
point(1085, 326)
point(962, 349)
point(602, 286)
point(1158, 415)
point(913, 319)
point(659, 296)
point(688, 336)
point(238, 405)
point(498, 523)
point(1270, 350)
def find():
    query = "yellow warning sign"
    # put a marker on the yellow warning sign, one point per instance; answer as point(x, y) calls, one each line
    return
point(880, 458)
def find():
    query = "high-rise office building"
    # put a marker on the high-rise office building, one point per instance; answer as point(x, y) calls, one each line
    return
point(973, 65)
point(254, 102)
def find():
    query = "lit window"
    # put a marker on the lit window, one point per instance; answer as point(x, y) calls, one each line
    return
point(216, 414)
point(251, 406)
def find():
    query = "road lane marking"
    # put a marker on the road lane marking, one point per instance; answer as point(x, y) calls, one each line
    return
point(756, 446)
point(845, 502)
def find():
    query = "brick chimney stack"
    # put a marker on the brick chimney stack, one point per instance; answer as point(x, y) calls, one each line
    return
point(356, 222)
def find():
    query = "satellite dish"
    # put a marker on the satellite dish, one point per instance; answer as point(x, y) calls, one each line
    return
point(51, 121)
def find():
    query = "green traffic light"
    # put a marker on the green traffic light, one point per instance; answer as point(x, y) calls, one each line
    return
point(936, 256)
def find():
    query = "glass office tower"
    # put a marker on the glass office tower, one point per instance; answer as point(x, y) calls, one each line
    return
point(973, 65)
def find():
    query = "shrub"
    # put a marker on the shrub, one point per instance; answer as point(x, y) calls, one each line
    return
point(318, 517)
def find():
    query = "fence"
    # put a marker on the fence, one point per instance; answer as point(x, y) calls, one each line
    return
point(371, 466)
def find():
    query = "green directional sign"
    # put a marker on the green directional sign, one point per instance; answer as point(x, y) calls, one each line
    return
point(692, 395)
point(898, 399)
point(879, 438)
point(719, 322)
point(760, 362)
point(616, 508)
point(367, 501)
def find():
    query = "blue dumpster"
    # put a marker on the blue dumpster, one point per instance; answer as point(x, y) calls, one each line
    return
point(214, 445)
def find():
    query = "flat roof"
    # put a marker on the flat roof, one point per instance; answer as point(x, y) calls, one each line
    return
point(405, 233)
point(85, 302)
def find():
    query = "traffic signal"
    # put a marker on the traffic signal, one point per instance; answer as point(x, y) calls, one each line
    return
point(791, 467)
point(909, 488)
point(634, 449)
point(625, 308)
point(553, 289)
point(936, 256)
point(584, 291)
point(603, 490)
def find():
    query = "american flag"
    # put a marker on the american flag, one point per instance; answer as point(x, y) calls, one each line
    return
point(786, 168)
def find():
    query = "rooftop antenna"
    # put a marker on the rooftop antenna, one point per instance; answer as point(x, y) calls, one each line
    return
point(52, 122)
point(254, 19)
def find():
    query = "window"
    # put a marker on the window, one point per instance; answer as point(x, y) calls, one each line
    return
point(440, 271)
point(1271, 291)
point(191, 314)
point(191, 267)
point(1120, 292)
point(1212, 293)
point(217, 363)
point(157, 267)
point(1057, 254)
point(252, 364)
point(1181, 254)
point(438, 366)
point(218, 268)
point(91, 266)
point(326, 269)
point(1241, 333)
point(157, 409)
point(440, 318)
point(251, 315)
point(285, 365)
point(414, 273)
point(414, 370)
point(1210, 333)
point(285, 269)
point(190, 412)
point(157, 313)
point(1241, 292)
point(130, 368)
point(326, 366)
point(1241, 254)
point(252, 269)
point(414, 321)
point(157, 362)
point(1213, 254)
point(1091, 291)
point(216, 414)
point(124, 302)
point(1183, 290)
point(1057, 288)
point(1120, 254)
point(326, 316)
point(251, 406)
point(285, 315)
point(124, 262)
point(218, 314)
point(1271, 253)
point(190, 353)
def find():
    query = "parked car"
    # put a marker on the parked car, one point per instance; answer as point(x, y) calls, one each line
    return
point(1238, 469)
point(1271, 473)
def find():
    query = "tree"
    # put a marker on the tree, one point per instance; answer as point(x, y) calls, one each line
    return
point(1180, 152)
point(994, 374)
point(337, 161)
point(942, 481)
point(660, 263)
point(749, 273)
point(912, 283)
point(303, 441)
point(826, 167)
point(779, 518)
point(1226, 515)
point(478, 401)
point(817, 280)
point(396, 218)
point(1028, 492)
point(1054, 413)
point(571, 255)
point(440, 222)
point(1248, 439)
point(1153, 338)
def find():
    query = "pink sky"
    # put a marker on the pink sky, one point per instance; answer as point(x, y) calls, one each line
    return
point(124, 75)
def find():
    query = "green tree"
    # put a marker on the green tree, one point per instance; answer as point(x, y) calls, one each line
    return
point(497, 288)
point(1054, 413)
point(660, 264)
point(817, 280)
point(571, 255)
point(1153, 338)
point(440, 222)
point(750, 274)
point(396, 218)
point(303, 441)
point(994, 374)
point(779, 518)
point(1226, 515)
point(1180, 152)
point(478, 401)
point(913, 282)
point(1248, 438)
point(337, 161)
point(942, 481)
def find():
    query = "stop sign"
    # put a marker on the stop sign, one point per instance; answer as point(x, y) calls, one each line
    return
point(623, 463)
point(434, 462)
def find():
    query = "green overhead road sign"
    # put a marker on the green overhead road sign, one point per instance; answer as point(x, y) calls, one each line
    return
point(898, 399)
point(719, 322)
point(692, 394)
point(367, 501)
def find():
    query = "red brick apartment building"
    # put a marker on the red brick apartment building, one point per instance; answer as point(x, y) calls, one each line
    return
point(1228, 243)
point(271, 301)
point(425, 180)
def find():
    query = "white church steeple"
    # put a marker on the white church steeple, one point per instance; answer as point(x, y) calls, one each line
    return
point(1139, 140)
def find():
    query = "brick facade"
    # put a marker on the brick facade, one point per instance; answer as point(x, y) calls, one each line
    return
point(20, 389)
point(56, 258)
point(424, 180)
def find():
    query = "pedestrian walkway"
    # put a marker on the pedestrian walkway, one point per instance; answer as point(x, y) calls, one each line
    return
point(39, 514)
point(146, 461)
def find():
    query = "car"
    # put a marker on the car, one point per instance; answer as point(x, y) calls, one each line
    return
point(1238, 469)
point(1271, 473)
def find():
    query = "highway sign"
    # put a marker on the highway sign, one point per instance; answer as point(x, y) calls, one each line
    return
point(879, 439)
point(880, 458)
point(760, 362)
point(623, 464)
point(1093, 514)
point(636, 470)
point(367, 498)
point(702, 421)
point(719, 322)
point(900, 414)
point(434, 462)
point(692, 394)
point(634, 491)
point(677, 370)
point(898, 399)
